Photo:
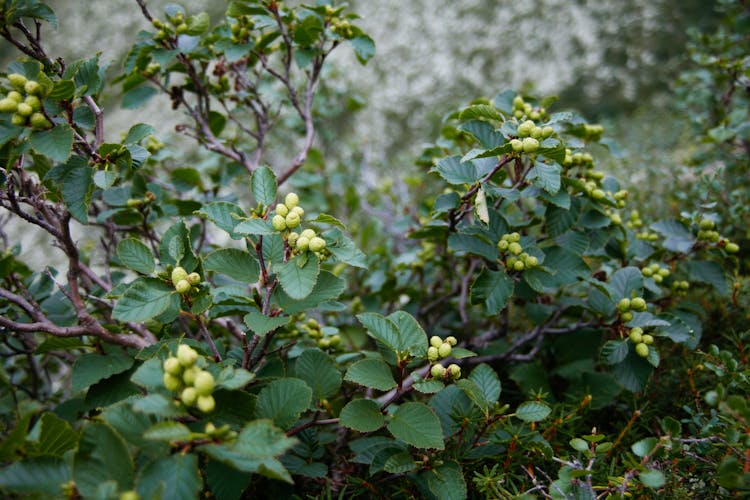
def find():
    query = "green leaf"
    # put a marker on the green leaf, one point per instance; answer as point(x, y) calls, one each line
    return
point(93, 367)
point(362, 415)
point(633, 372)
point(63, 89)
point(494, 288)
point(644, 446)
point(75, 179)
point(143, 300)
point(149, 374)
point(615, 351)
point(102, 455)
point(254, 226)
point(328, 287)
point(447, 482)
point(157, 404)
point(677, 237)
point(260, 438)
point(42, 476)
point(56, 144)
point(136, 255)
point(652, 478)
point(317, 369)
point(417, 425)
point(260, 324)
point(55, 437)
point(478, 111)
point(474, 392)
point(381, 329)
point(232, 378)
point(175, 247)
point(235, 263)
point(546, 176)
point(533, 411)
point(328, 219)
point(373, 373)
point(137, 96)
point(283, 401)
point(225, 482)
point(487, 381)
point(452, 170)
point(175, 477)
point(137, 133)
point(624, 282)
point(399, 463)
point(579, 444)
point(264, 186)
point(298, 276)
point(412, 337)
point(704, 271)
point(168, 431)
point(484, 132)
point(224, 214)
point(364, 47)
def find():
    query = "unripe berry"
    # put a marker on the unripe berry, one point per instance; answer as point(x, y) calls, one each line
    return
point(188, 396)
point(15, 96)
point(179, 274)
point(530, 145)
point(626, 316)
point(282, 209)
point(39, 121)
point(204, 383)
point(658, 278)
point(519, 265)
point(24, 109)
point(8, 105)
point(292, 238)
point(516, 145)
point(432, 354)
point(524, 129)
point(172, 366)
point(436, 341)
point(437, 371)
point(182, 286)
point(291, 200)
point(317, 244)
point(616, 219)
point(531, 261)
point(641, 350)
point(206, 404)
point(308, 233)
point(324, 343)
point(292, 220)
point(647, 272)
point(502, 245)
point(518, 102)
point(171, 382)
point(451, 340)
point(707, 224)
point(598, 194)
point(444, 350)
point(664, 272)
point(638, 304)
point(636, 335)
point(648, 339)
point(17, 119)
point(547, 131)
point(188, 376)
point(129, 495)
point(194, 278)
point(732, 247)
point(32, 87)
point(335, 340)
point(455, 371)
point(187, 355)
point(299, 211)
point(514, 237)
point(624, 305)
point(278, 222)
point(181, 28)
point(515, 248)
point(302, 244)
point(17, 80)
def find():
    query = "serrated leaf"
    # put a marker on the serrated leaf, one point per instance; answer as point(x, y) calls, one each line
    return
point(328, 219)
point(471, 389)
point(283, 401)
point(41, 476)
point(75, 179)
point(55, 437)
point(56, 143)
point(235, 263)
point(102, 455)
point(624, 282)
point(298, 276)
point(362, 415)
point(93, 367)
point(264, 185)
point(484, 132)
point(484, 111)
point(328, 287)
point(546, 176)
point(136, 256)
point(146, 298)
point(412, 337)
point(487, 381)
point(175, 476)
point(364, 48)
point(137, 133)
point(224, 214)
point(704, 271)
point(260, 324)
point(254, 227)
point(533, 411)
point(317, 369)
point(168, 431)
point(382, 329)
point(372, 373)
point(494, 288)
point(452, 170)
point(416, 424)
point(677, 237)
point(615, 351)
point(157, 404)
point(447, 482)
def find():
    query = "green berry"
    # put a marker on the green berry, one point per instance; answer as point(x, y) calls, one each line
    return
point(292, 220)
point(194, 278)
point(547, 131)
point(444, 350)
point(17, 80)
point(187, 355)
point(436, 341)
point(451, 340)
point(536, 132)
point(455, 371)
point(598, 194)
point(624, 305)
point(647, 272)
point(24, 109)
point(308, 233)
point(641, 350)
point(531, 261)
point(34, 102)
point(188, 376)
point(432, 354)
point(182, 286)
point(17, 119)
point(515, 248)
point(292, 238)
point(172, 366)
point(519, 265)
point(291, 200)
point(516, 145)
point(206, 404)
point(324, 343)
point(658, 278)
point(129, 495)
point(707, 224)
point(636, 335)
point(188, 396)
point(530, 145)
point(8, 105)
point(638, 304)
point(32, 87)
point(514, 237)
point(299, 211)
point(648, 339)
point(518, 102)
point(179, 274)
point(278, 222)
point(502, 245)
point(711, 398)
point(626, 316)
point(204, 383)
point(302, 244)
point(39, 121)
point(171, 382)
point(282, 209)
point(732, 247)
point(15, 96)
point(317, 244)
point(524, 129)
point(437, 371)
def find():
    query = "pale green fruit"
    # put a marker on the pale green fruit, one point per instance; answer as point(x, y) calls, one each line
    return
point(194, 278)
point(302, 243)
point(598, 194)
point(308, 233)
point(502, 245)
point(638, 304)
point(732, 247)
point(517, 145)
point(24, 109)
point(204, 383)
point(129, 495)
point(206, 404)
point(626, 316)
point(531, 261)
point(32, 87)
point(291, 200)
point(278, 222)
point(636, 335)
point(17, 119)
point(445, 350)
point(188, 377)
point(530, 145)
point(182, 286)
point(624, 305)
point(292, 238)
point(187, 355)
point(515, 248)
point(451, 340)
point(39, 121)
point(16, 96)
point(179, 274)
point(8, 105)
point(524, 129)
point(34, 102)
point(282, 210)
point(519, 265)
point(299, 211)
point(17, 80)
point(437, 371)
point(648, 339)
point(455, 371)
point(641, 350)
point(188, 396)
point(292, 220)
point(317, 244)
point(436, 341)
point(514, 237)
point(172, 366)
point(432, 354)
point(171, 382)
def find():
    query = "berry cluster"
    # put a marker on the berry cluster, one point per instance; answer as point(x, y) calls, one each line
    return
point(522, 108)
point(641, 341)
point(195, 385)
point(441, 349)
point(288, 214)
point(593, 132)
point(184, 282)
point(178, 26)
point(680, 287)
point(313, 330)
point(584, 160)
point(528, 137)
point(519, 260)
point(241, 29)
point(656, 272)
point(626, 307)
point(342, 28)
point(707, 233)
point(24, 103)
